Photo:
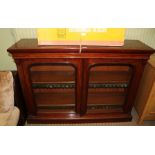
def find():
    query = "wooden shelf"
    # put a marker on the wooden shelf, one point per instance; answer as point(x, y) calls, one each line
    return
point(56, 108)
point(52, 77)
point(72, 85)
point(95, 77)
point(90, 90)
point(111, 68)
point(100, 108)
point(54, 98)
point(107, 90)
point(48, 85)
point(59, 90)
point(109, 77)
point(51, 68)
point(106, 98)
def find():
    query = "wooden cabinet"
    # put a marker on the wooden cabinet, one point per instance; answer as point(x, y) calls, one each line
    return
point(145, 100)
point(79, 84)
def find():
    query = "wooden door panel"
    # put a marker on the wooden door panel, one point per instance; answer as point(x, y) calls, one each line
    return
point(48, 85)
point(119, 78)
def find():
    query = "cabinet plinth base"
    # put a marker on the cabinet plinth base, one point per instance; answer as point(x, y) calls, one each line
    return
point(82, 119)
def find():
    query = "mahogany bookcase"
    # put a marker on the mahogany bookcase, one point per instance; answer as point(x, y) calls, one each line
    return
point(69, 84)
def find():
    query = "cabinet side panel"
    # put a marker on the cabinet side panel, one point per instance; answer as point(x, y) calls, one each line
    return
point(151, 101)
point(144, 89)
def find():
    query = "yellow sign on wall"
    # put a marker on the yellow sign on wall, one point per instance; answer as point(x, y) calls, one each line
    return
point(84, 36)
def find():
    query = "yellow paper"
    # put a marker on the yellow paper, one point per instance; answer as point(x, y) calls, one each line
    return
point(90, 36)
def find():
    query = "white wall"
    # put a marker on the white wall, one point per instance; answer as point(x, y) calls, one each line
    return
point(9, 36)
point(143, 34)
point(6, 40)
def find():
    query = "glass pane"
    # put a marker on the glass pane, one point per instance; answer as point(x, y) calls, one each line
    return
point(53, 87)
point(108, 86)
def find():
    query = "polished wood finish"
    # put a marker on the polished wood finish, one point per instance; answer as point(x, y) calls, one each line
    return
point(29, 45)
point(145, 99)
point(85, 102)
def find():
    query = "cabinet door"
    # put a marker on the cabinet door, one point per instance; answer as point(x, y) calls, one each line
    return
point(53, 85)
point(109, 85)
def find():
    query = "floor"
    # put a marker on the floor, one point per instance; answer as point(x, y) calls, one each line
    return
point(145, 123)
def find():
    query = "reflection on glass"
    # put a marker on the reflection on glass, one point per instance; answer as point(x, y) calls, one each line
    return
point(53, 87)
point(108, 85)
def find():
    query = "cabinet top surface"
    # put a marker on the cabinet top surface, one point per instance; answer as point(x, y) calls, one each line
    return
point(31, 45)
